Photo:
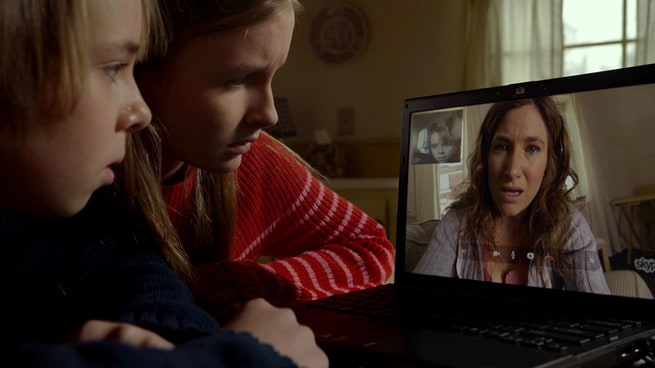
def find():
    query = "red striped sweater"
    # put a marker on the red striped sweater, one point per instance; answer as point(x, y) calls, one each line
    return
point(318, 243)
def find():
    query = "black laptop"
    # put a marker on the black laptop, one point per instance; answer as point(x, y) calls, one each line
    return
point(430, 321)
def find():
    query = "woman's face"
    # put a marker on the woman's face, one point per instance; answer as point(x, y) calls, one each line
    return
point(438, 148)
point(517, 160)
point(214, 94)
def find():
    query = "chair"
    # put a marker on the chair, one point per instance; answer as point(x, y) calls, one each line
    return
point(627, 283)
point(603, 253)
point(418, 236)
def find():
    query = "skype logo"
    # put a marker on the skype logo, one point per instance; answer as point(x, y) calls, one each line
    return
point(645, 264)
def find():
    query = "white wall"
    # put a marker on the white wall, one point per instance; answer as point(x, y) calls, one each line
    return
point(416, 48)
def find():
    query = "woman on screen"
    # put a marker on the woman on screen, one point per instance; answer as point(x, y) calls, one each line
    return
point(515, 222)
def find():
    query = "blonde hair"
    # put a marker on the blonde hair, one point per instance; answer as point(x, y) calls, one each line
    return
point(44, 55)
point(214, 195)
point(42, 67)
point(46, 38)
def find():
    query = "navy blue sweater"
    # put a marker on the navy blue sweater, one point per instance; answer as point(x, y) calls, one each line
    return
point(56, 274)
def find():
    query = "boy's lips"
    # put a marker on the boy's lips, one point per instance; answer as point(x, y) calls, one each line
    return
point(111, 169)
point(110, 175)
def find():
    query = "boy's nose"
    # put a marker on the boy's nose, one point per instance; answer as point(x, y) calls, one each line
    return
point(138, 116)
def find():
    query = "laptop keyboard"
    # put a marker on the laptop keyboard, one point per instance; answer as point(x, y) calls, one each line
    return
point(551, 333)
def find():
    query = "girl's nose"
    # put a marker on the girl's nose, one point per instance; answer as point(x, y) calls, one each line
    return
point(263, 113)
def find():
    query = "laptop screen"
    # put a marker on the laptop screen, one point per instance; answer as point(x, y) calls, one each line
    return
point(609, 118)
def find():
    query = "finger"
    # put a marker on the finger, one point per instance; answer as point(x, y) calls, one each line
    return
point(138, 337)
point(92, 331)
point(121, 332)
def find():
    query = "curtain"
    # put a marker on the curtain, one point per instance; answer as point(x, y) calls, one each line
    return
point(511, 41)
point(483, 47)
point(598, 212)
point(645, 52)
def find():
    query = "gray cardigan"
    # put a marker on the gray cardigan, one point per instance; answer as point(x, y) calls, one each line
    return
point(445, 256)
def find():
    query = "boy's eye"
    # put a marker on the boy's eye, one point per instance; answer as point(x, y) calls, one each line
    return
point(113, 70)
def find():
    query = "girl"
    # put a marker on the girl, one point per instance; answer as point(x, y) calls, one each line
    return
point(69, 100)
point(227, 182)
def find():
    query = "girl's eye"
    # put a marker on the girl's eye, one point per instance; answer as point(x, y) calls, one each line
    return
point(236, 82)
point(240, 81)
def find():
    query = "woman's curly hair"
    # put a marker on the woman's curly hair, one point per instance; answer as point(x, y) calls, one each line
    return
point(548, 216)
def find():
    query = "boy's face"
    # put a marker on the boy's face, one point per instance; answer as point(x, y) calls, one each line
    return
point(61, 162)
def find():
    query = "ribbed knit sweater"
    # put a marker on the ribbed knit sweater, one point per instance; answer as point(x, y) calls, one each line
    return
point(315, 242)
point(59, 273)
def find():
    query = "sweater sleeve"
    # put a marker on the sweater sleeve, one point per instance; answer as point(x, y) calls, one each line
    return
point(222, 349)
point(296, 239)
point(148, 293)
point(142, 289)
point(99, 280)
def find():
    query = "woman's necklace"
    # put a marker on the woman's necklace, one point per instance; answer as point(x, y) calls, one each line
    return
point(512, 248)
point(507, 261)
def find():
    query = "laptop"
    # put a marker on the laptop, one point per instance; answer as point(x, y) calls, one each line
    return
point(419, 320)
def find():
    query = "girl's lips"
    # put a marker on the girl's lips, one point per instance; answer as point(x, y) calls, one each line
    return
point(239, 148)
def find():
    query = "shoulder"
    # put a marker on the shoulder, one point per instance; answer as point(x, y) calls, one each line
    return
point(449, 224)
point(580, 235)
point(578, 221)
point(452, 219)
point(268, 147)
point(268, 152)
point(269, 159)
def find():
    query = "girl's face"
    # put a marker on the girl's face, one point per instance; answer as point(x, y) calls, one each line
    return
point(517, 160)
point(214, 94)
point(62, 161)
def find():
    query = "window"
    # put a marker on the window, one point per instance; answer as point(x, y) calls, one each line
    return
point(600, 39)
point(521, 40)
